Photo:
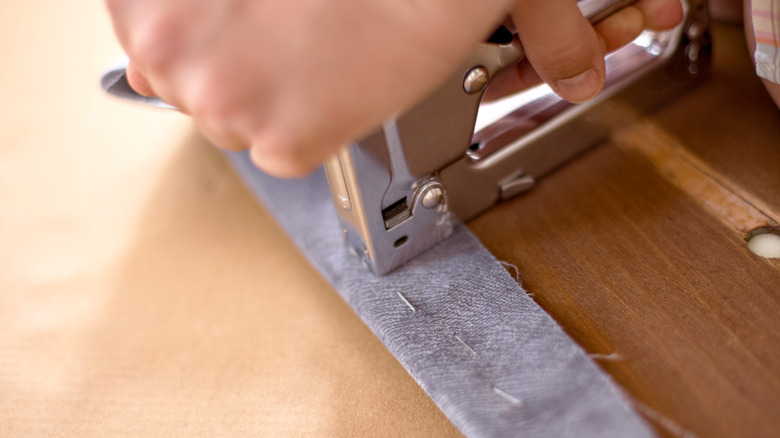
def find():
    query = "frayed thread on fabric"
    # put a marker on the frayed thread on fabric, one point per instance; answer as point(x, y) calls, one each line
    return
point(508, 266)
point(612, 357)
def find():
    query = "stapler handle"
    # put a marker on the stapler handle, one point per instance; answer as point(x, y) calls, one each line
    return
point(451, 111)
point(540, 131)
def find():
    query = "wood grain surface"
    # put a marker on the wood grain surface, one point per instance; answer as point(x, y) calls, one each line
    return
point(638, 249)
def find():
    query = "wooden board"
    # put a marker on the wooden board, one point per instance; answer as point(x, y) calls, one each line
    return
point(638, 263)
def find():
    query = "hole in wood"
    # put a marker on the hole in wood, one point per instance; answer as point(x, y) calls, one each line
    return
point(765, 242)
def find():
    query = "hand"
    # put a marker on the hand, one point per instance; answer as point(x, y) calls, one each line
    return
point(566, 52)
point(293, 81)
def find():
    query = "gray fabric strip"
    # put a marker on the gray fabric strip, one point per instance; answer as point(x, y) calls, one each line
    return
point(492, 360)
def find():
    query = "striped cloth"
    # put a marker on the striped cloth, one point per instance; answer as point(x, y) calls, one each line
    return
point(766, 25)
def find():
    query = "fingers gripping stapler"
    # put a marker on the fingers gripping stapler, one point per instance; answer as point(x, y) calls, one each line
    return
point(400, 190)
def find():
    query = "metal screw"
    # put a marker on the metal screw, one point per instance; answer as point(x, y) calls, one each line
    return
point(432, 197)
point(475, 80)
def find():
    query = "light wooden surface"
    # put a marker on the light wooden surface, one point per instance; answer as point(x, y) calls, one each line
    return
point(143, 291)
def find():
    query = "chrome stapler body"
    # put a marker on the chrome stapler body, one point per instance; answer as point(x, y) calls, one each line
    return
point(400, 190)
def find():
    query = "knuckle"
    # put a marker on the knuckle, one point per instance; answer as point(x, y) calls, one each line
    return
point(208, 99)
point(155, 41)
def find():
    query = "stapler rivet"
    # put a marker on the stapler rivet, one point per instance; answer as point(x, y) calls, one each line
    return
point(432, 197)
point(475, 80)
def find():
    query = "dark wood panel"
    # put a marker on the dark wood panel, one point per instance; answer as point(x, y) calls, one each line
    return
point(631, 262)
point(730, 121)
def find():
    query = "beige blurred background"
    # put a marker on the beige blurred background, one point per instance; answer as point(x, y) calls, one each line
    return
point(143, 291)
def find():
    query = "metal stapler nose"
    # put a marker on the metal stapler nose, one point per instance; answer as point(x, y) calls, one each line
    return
point(400, 190)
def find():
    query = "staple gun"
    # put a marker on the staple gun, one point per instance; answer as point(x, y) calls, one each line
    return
point(401, 189)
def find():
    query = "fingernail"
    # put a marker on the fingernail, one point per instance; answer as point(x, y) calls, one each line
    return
point(581, 87)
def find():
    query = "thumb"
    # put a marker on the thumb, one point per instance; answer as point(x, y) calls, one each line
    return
point(562, 47)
